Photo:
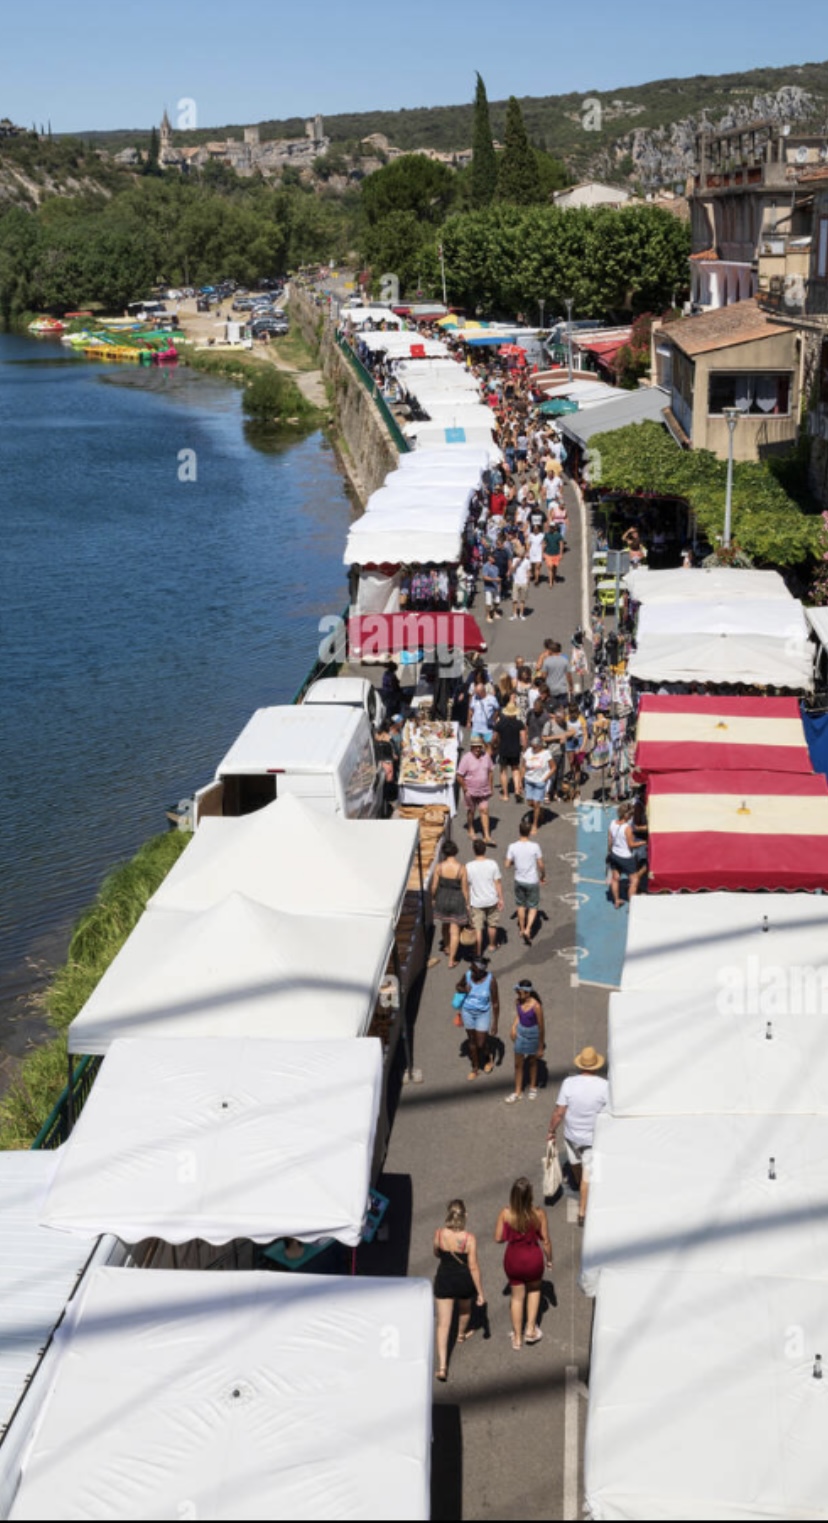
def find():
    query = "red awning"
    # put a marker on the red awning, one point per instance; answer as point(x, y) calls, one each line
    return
point(685, 733)
point(377, 634)
point(605, 349)
point(738, 830)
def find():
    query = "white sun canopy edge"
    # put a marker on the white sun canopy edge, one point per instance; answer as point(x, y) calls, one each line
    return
point(238, 968)
point(291, 857)
point(754, 1045)
point(705, 941)
point(454, 413)
point(741, 1195)
point(707, 583)
point(701, 1405)
point(399, 345)
point(402, 493)
point(754, 660)
point(434, 473)
point(403, 536)
point(243, 1394)
point(777, 618)
point(435, 436)
point(458, 458)
point(217, 1140)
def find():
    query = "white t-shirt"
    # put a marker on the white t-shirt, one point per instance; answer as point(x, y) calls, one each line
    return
point(525, 855)
point(484, 876)
point(520, 573)
point(537, 764)
point(585, 1096)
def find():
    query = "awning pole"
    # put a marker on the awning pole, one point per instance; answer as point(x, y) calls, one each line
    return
point(70, 1095)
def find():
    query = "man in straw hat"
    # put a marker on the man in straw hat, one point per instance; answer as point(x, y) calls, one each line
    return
point(581, 1099)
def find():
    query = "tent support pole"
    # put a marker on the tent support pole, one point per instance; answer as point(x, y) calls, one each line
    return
point(70, 1092)
point(422, 878)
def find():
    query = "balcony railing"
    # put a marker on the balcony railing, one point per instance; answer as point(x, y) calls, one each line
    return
point(795, 296)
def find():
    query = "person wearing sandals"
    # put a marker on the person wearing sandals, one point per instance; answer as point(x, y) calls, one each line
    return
point(457, 1281)
point(524, 1228)
point(581, 1099)
point(480, 1012)
point(450, 893)
point(529, 1037)
point(511, 734)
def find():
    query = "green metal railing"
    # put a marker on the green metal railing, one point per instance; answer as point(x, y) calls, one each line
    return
point(374, 392)
point(55, 1128)
point(320, 668)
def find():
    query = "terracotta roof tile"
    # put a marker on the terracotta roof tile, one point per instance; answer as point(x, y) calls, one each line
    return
point(736, 324)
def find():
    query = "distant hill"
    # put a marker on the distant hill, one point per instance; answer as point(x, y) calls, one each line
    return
point(646, 131)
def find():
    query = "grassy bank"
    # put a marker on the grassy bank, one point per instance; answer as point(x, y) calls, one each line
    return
point(99, 934)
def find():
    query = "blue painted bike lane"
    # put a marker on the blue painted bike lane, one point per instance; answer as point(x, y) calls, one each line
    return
point(601, 929)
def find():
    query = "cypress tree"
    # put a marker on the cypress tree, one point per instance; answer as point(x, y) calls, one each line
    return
point(484, 162)
point(518, 179)
point(151, 164)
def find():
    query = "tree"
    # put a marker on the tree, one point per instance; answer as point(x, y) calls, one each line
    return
point(411, 183)
point(151, 164)
point(484, 159)
point(518, 179)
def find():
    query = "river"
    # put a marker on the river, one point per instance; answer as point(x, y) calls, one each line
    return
point(145, 615)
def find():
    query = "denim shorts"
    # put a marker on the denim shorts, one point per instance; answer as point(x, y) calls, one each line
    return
point(535, 793)
point(527, 1041)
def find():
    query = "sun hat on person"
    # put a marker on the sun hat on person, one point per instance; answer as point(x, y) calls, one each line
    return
point(589, 1060)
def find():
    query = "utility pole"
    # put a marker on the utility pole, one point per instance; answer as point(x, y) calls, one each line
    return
point(443, 272)
point(569, 305)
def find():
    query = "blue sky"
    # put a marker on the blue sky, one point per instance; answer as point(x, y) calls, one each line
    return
point(104, 63)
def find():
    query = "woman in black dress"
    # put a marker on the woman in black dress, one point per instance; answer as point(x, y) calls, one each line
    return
point(457, 1280)
point(450, 892)
point(511, 733)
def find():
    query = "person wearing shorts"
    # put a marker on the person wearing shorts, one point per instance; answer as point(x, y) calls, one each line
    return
point(491, 588)
point(525, 857)
point(581, 1099)
point(529, 1038)
point(485, 896)
point(535, 772)
point(481, 1009)
point(520, 585)
point(552, 552)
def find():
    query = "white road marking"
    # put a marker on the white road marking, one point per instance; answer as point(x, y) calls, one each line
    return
point(574, 900)
point(571, 1445)
point(572, 1204)
point(573, 955)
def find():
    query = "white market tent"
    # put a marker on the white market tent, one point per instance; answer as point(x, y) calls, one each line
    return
point(460, 458)
point(415, 536)
point(38, 1273)
point(705, 941)
point(237, 1395)
point(224, 1139)
point(291, 857)
point(714, 1202)
point(754, 660)
point(238, 969)
point(359, 316)
point(399, 345)
point(402, 494)
point(456, 412)
point(585, 393)
point(434, 473)
point(436, 375)
point(702, 1398)
point(708, 583)
point(755, 1045)
point(778, 619)
point(434, 436)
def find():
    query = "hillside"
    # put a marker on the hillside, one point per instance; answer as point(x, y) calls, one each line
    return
point(646, 131)
point(33, 168)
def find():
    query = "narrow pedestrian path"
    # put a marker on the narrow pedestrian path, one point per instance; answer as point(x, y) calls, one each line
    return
point(508, 1426)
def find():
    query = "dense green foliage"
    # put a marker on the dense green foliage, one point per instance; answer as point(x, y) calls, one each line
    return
point(99, 934)
point(483, 180)
point(507, 259)
point(75, 250)
point(518, 179)
point(767, 524)
point(272, 397)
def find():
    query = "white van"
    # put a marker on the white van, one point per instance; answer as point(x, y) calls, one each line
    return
point(348, 692)
point(323, 753)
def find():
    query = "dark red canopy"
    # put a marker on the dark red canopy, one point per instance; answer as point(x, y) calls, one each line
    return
point(377, 634)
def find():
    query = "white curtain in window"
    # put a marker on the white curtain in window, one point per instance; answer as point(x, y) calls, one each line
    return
point(767, 392)
point(745, 390)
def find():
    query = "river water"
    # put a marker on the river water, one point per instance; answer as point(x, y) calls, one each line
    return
point(144, 616)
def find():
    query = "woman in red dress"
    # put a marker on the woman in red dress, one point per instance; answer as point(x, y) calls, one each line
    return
point(525, 1230)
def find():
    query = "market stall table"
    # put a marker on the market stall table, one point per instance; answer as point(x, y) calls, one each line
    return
point(429, 763)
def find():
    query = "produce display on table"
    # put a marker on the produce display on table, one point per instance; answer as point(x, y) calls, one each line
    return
point(429, 754)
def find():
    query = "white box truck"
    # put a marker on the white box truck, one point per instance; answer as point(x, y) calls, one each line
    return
point(319, 752)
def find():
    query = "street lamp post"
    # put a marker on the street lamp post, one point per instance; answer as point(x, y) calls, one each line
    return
point(569, 305)
point(541, 305)
point(732, 417)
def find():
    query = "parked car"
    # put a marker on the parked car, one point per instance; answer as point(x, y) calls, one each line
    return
point(203, 304)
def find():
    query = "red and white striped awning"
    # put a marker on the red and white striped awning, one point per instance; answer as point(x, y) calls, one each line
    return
point(683, 733)
point(738, 830)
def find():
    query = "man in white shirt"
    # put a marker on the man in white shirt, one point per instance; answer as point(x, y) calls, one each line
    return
point(485, 896)
point(581, 1099)
point(530, 872)
point(520, 586)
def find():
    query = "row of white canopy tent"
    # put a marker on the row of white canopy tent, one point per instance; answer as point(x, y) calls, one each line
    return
point(706, 1240)
point(720, 625)
point(223, 1111)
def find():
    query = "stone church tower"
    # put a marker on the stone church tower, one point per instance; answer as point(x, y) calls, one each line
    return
point(165, 144)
